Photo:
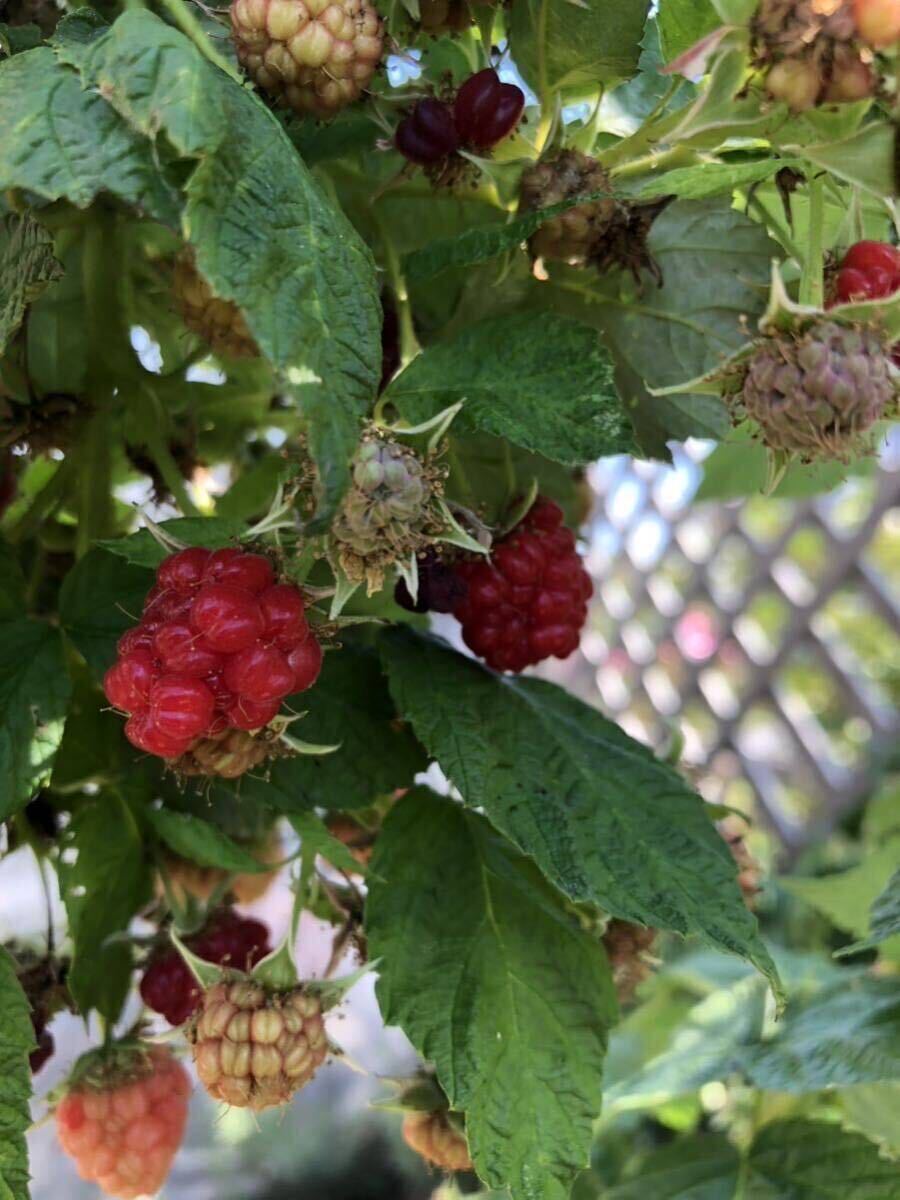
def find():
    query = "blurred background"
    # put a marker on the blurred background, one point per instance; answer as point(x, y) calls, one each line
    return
point(758, 639)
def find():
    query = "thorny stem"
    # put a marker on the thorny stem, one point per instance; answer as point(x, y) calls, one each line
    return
point(812, 284)
point(409, 343)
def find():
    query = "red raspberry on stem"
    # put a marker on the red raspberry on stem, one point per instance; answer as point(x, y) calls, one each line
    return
point(219, 645)
point(486, 110)
point(123, 1128)
point(529, 602)
point(169, 987)
point(428, 134)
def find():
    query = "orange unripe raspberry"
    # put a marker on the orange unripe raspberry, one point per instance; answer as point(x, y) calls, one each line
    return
point(219, 322)
point(436, 1138)
point(314, 56)
point(253, 1048)
point(123, 1136)
point(878, 21)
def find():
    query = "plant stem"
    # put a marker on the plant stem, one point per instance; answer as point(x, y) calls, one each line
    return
point(781, 231)
point(42, 504)
point(168, 469)
point(409, 343)
point(812, 283)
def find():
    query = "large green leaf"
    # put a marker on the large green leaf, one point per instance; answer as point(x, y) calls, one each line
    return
point(101, 597)
point(27, 265)
point(716, 265)
point(103, 888)
point(291, 261)
point(16, 1042)
point(874, 1109)
point(573, 47)
point(34, 693)
point(543, 382)
point(810, 1160)
point(144, 550)
point(788, 1160)
point(495, 985)
point(605, 820)
point(62, 141)
point(847, 897)
point(884, 917)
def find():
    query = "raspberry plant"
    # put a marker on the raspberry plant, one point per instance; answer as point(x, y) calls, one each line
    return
point(304, 338)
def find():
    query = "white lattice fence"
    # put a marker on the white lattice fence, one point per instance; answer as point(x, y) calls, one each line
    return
point(766, 631)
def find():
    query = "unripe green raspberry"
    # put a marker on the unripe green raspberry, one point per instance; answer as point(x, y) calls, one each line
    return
point(228, 755)
point(436, 1137)
point(313, 56)
point(219, 322)
point(816, 393)
point(255, 1048)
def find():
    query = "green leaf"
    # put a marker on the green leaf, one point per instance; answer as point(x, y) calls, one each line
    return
point(202, 843)
point(64, 142)
point(740, 467)
point(16, 1043)
point(865, 158)
point(573, 47)
point(106, 885)
point(101, 597)
point(710, 179)
point(846, 897)
point(874, 1109)
point(885, 917)
point(144, 550)
point(56, 333)
point(315, 836)
point(349, 705)
point(848, 1034)
point(93, 750)
point(496, 986)
point(810, 1160)
point(16, 38)
point(716, 266)
point(302, 276)
point(12, 584)
point(27, 265)
point(541, 381)
point(605, 820)
point(34, 693)
point(682, 23)
point(704, 1167)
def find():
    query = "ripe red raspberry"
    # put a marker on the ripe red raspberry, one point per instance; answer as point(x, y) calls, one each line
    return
point(866, 256)
point(486, 110)
point(168, 986)
point(428, 134)
point(529, 602)
point(877, 21)
point(219, 645)
point(124, 1127)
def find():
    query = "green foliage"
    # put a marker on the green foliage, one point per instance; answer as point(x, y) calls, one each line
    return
point(607, 822)
point(493, 982)
point(16, 1043)
point(132, 138)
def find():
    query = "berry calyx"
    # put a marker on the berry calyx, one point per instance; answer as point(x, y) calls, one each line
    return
point(311, 57)
point(437, 1138)
point(168, 986)
point(253, 1048)
point(529, 602)
point(219, 644)
point(486, 110)
point(428, 134)
point(123, 1130)
point(877, 21)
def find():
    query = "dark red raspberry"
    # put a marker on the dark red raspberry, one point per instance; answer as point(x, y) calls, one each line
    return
point(251, 571)
point(128, 682)
point(182, 571)
point(868, 271)
point(219, 645)
point(169, 987)
point(230, 617)
point(428, 133)
point(441, 588)
point(529, 602)
point(305, 661)
point(868, 255)
point(486, 110)
point(259, 673)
